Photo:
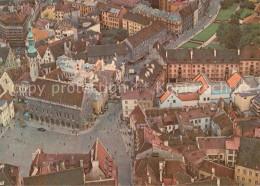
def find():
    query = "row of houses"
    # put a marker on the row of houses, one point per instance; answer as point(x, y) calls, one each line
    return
point(95, 167)
point(163, 140)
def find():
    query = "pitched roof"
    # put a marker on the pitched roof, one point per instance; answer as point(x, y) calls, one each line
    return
point(9, 174)
point(233, 143)
point(4, 51)
point(249, 151)
point(223, 121)
point(138, 115)
point(108, 50)
point(106, 162)
point(251, 81)
point(56, 74)
point(234, 80)
point(14, 18)
point(57, 91)
point(165, 96)
point(137, 18)
point(212, 144)
point(146, 33)
point(188, 96)
point(6, 96)
point(146, 93)
point(66, 177)
point(201, 77)
point(257, 8)
point(250, 52)
point(220, 170)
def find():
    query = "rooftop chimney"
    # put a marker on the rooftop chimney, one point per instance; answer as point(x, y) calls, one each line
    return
point(57, 167)
point(161, 170)
point(218, 182)
point(81, 163)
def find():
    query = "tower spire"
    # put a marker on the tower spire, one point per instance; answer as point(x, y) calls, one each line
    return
point(32, 52)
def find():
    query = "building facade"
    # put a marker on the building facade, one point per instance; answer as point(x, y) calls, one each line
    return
point(13, 29)
point(134, 22)
point(184, 64)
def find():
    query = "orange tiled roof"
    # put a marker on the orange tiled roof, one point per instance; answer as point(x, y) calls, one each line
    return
point(165, 96)
point(203, 81)
point(257, 8)
point(234, 80)
point(39, 34)
point(251, 19)
point(188, 97)
point(14, 18)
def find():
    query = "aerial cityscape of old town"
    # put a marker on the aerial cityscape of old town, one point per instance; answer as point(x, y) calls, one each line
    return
point(129, 92)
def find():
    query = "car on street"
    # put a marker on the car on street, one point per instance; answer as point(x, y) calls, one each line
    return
point(41, 129)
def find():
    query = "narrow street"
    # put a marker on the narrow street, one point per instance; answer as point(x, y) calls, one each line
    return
point(213, 10)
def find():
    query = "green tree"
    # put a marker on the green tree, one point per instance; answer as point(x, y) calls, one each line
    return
point(234, 19)
point(250, 34)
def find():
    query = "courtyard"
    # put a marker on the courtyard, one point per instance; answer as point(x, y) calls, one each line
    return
point(17, 144)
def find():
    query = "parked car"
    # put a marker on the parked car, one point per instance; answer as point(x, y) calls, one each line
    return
point(41, 129)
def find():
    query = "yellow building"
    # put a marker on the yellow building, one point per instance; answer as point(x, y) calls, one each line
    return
point(85, 6)
point(48, 12)
point(6, 108)
point(247, 168)
point(243, 100)
point(134, 22)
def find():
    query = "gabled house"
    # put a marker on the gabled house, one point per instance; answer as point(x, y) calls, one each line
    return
point(93, 168)
point(175, 100)
point(7, 84)
point(7, 59)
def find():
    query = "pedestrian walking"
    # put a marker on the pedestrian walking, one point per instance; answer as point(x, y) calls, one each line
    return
point(13, 154)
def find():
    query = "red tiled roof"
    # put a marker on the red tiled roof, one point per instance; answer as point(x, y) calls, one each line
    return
point(234, 80)
point(146, 93)
point(57, 91)
point(188, 97)
point(220, 170)
point(251, 19)
point(106, 163)
point(257, 8)
point(138, 115)
point(233, 143)
point(7, 97)
point(24, 77)
point(165, 96)
point(212, 144)
point(201, 78)
point(146, 33)
point(56, 74)
point(14, 18)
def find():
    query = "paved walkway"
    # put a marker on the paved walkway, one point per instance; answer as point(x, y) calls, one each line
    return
point(17, 144)
point(209, 41)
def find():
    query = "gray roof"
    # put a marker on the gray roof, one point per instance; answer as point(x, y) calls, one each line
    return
point(220, 86)
point(4, 51)
point(108, 50)
point(251, 81)
point(249, 153)
point(247, 93)
point(66, 177)
point(257, 98)
point(2, 102)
